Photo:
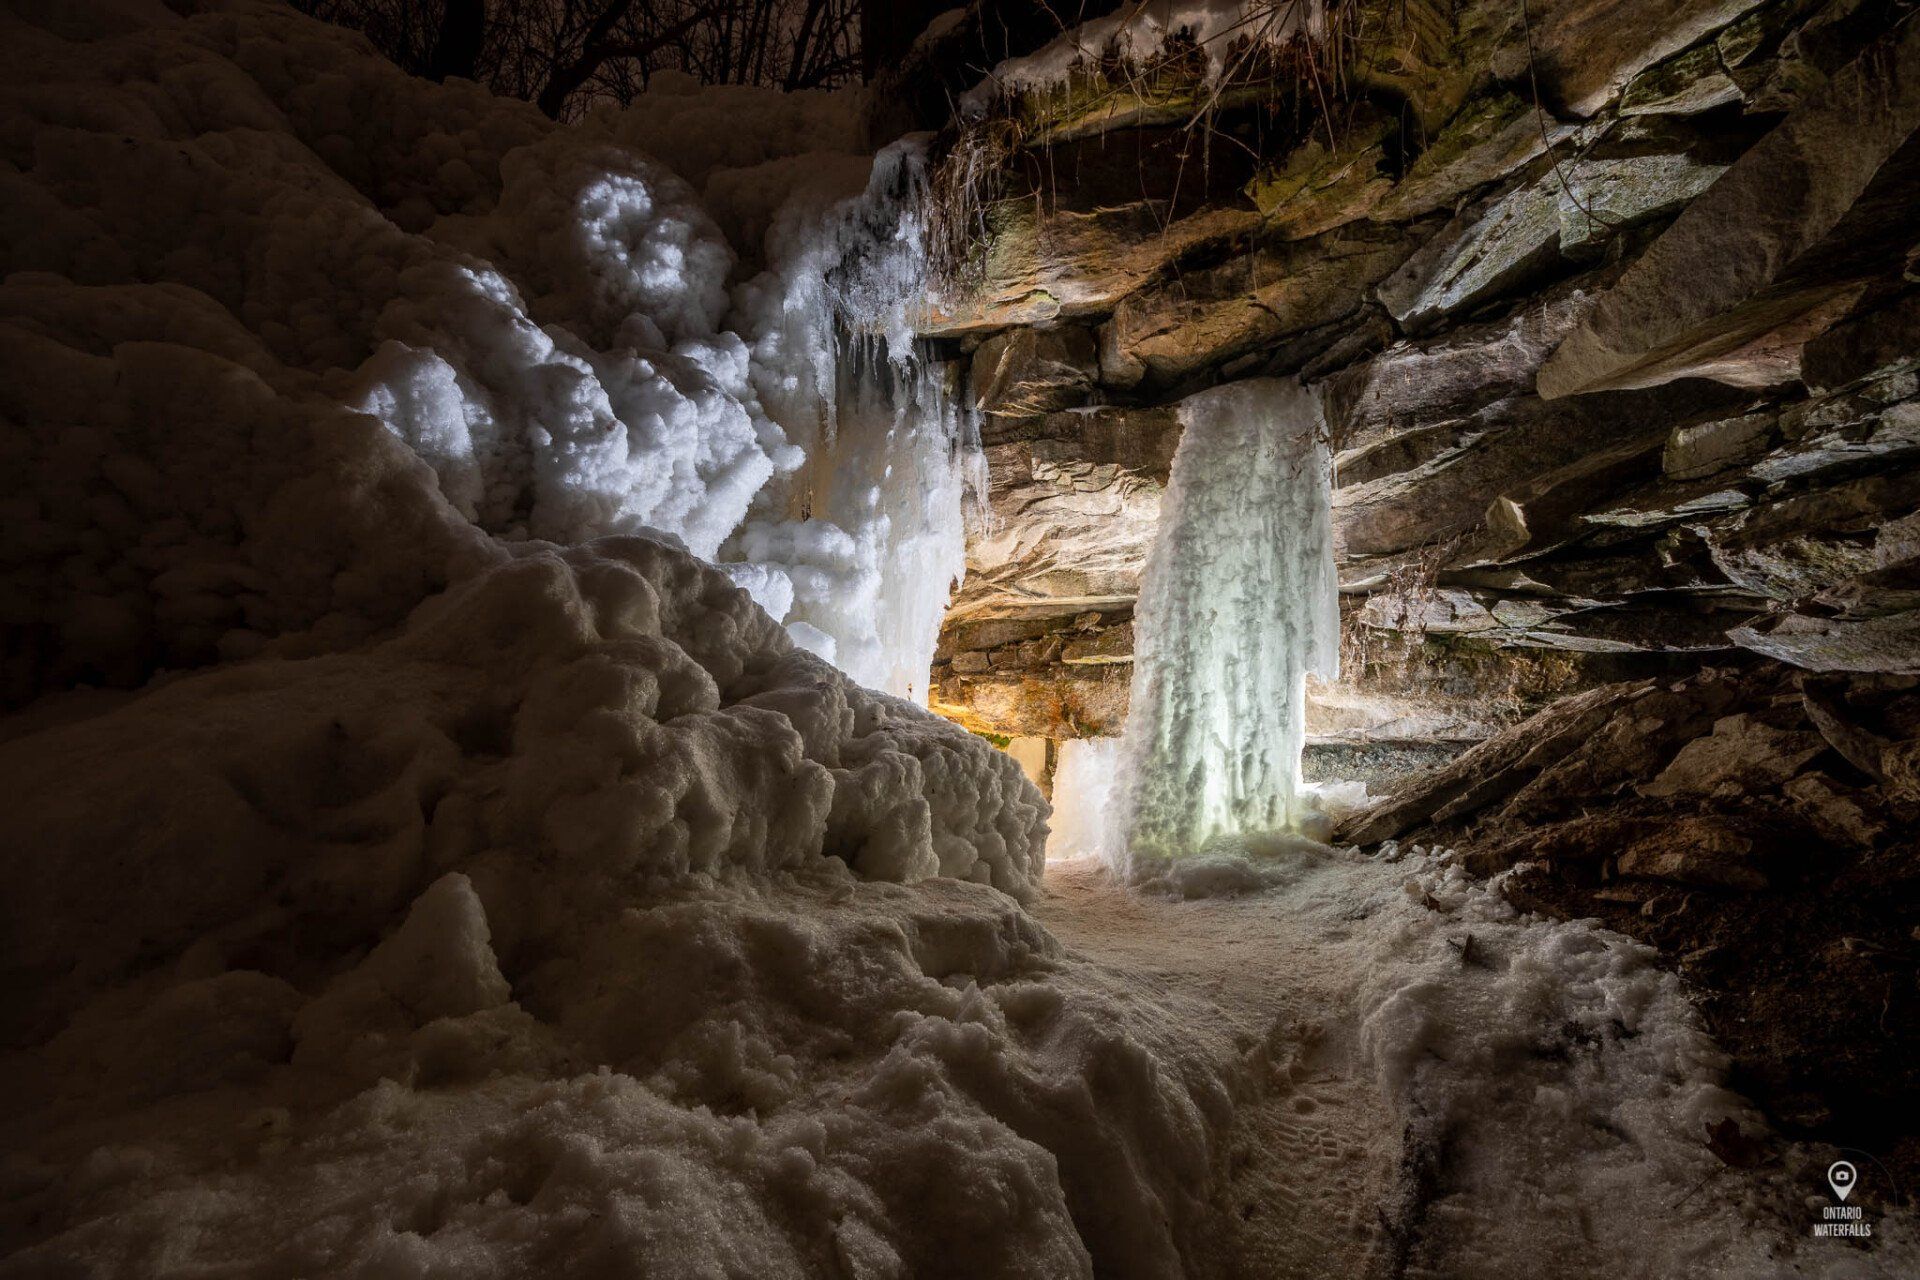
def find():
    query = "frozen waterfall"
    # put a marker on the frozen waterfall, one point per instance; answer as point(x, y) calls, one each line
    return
point(870, 528)
point(894, 472)
point(1237, 607)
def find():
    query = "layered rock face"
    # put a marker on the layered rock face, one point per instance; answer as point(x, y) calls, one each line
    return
point(1611, 310)
point(1610, 340)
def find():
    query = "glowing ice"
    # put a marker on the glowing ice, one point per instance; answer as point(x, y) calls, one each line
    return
point(890, 474)
point(1085, 787)
point(1237, 606)
point(870, 528)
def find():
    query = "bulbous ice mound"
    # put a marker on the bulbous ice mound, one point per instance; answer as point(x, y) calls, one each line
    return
point(544, 936)
point(565, 727)
point(550, 317)
point(221, 227)
point(810, 1077)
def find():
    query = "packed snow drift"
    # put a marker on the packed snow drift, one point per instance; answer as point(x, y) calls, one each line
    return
point(421, 861)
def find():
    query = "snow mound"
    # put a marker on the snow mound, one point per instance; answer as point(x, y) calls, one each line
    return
point(811, 1076)
point(600, 718)
point(171, 507)
point(1231, 866)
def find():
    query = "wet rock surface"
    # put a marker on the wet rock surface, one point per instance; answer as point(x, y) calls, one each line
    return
point(1623, 366)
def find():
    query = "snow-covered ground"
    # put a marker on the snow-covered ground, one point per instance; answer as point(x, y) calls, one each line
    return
point(1428, 1083)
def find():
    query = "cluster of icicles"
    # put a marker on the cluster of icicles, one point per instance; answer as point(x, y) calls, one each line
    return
point(892, 451)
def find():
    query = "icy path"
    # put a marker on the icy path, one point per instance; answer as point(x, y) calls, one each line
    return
point(1313, 1153)
point(1531, 1103)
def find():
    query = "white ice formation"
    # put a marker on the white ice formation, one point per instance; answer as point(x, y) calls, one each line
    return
point(1139, 31)
point(870, 525)
point(1086, 789)
point(1238, 605)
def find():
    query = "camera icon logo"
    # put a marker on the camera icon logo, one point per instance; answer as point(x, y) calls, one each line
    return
point(1841, 1176)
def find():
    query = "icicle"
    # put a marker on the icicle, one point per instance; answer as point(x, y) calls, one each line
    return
point(892, 475)
point(1238, 605)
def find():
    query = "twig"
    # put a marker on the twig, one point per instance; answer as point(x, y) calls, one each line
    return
point(1540, 115)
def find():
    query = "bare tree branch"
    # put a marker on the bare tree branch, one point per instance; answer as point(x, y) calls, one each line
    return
point(564, 54)
point(600, 48)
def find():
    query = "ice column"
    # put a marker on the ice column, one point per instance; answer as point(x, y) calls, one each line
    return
point(1237, 606)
